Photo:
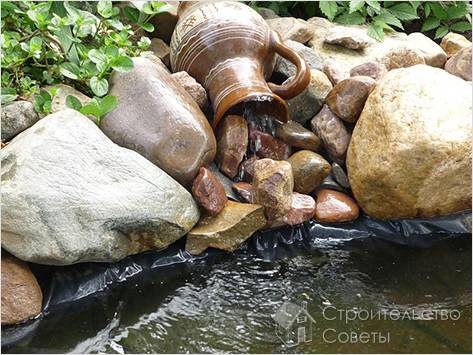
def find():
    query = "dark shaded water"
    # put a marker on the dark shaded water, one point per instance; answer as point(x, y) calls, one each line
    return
point(228, 306)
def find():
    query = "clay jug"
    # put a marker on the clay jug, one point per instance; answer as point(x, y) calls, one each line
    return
point(157, 118)
point(230, 50)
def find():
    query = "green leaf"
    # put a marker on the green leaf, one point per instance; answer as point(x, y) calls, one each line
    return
point(329, 9)
point(92, 108)
point(387, 17)
point(111, 51)
point(457, 11)
point(415, 5)
point(70, 70)
point(438, 11)
point(427, 10)
point(355, 5)
point(461, 26)
point(36, 44)
point(132, 14)
point(7, 98)
point(104, 8)
point(97, 57)
point(144, 42)
point(441, 31)
point(376, 31)
point(122, 64)
point(148, 27)
point(73, 102)
point(374, 4)
point(107, 104)
point(404, 12)
point(351, 19)
point(99, 86)
point(430, 24)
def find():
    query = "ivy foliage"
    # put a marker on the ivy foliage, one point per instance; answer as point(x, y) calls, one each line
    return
point(77, 43)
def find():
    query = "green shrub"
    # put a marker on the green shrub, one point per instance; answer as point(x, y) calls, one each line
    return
point(59, 42)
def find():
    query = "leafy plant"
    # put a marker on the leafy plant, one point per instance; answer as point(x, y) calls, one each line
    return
point(43, 101)
point(53, 41)
point(97, 107)
point(444, 17)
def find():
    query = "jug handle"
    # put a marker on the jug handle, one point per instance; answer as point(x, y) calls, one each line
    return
point(302, 78)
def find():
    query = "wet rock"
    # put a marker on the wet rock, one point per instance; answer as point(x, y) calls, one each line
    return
point(433, 54)
point(294, 134)
point(245, 190)
point(225, 181)
point(266, 146)
point(290, 28)
point(348, 97)
point(330, 183)
point(372, 69)
point(193, 88)
point(419, 163)
point(71, 195)
point(232, 142)
point(309, 170)
point(287, 69)
point(460, 64)
point(351, 38)
point(228, 230)
point(453, 42)
point(247, 169)
point(161, 50)
point(157, 118)
point(402, 57)
point(335, 207)
point(302, 209)
point(209, 192)
point(306, 105)
point(273, 182)
point(21, 295)
point(16, 117)
point(340, 175)
point(63, 91)
point(331, 130)
point(334, 72)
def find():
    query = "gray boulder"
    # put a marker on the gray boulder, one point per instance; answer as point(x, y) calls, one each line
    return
point(69, 195)
point(16, 117)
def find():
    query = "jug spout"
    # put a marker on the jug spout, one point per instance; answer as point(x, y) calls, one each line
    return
point(238, 84)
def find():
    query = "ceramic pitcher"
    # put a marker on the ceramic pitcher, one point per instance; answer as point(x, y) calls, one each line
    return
point(231, 51)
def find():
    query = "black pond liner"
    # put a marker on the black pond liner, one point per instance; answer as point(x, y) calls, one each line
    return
point(69, 285)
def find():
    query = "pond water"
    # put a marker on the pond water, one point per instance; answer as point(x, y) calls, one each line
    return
point(229, 306)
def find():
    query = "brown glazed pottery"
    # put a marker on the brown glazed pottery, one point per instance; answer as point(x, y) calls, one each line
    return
point(157, 118)
point(231, 51)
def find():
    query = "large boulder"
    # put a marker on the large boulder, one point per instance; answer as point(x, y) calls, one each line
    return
point(21, 295)
point(157, 118)
point(71, 195)
point(410, 152)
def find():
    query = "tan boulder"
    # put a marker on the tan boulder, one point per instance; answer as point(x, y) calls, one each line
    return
point(410, 152)
point(227, 230)
point(453, 43)
point(21, 295)
point(290, 28)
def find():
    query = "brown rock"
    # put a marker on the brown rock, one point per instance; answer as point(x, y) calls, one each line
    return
point(460, 64)
point(273, 182)
point(335, 207)
point(453, 42)
point(290, 28)
point(245, 190)
point(433, 54)
point(209, 192)
point(228, 230)
point(302, 209)
point(294, 134)
point(331, 130)
point(351, 38)
point(21, 295)
point(193, 88)
point(402, 57)
point(266, 146)
point(412, 157)
point(232, 142)
point(309, 170)
point(372, 69)
point(348, 97)
point(247, 169)
point(161, 50)
point(334, 72)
